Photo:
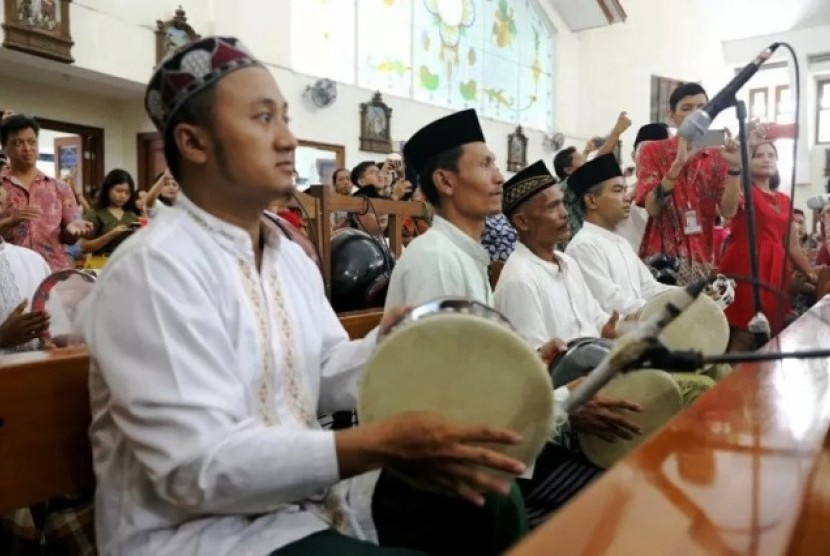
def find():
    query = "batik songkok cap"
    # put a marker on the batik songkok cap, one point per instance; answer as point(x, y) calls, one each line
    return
point(440, 136)
point(189, 70)
point(524, 185)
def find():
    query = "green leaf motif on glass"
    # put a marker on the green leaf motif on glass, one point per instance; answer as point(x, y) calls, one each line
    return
point(429, 80)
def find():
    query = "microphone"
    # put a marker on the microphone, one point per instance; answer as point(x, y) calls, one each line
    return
point(818, 202)
point(631, 349)
point(697, 123)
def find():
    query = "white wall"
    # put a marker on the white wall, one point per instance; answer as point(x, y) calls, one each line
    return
point(117, 37)
point(810, 160)
point(665, 38)
point(119, 120)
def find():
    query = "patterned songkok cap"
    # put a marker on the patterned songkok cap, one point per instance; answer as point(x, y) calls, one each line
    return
point(189, 70)
point(524, 185)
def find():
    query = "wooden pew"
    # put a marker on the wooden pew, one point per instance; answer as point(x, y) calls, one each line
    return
point(360, 323)
point(330, 202)
point(746, 470)
point(44, 417)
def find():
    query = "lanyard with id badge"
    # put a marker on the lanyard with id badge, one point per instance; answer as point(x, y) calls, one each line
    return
point(691, 218)
point(691, 222)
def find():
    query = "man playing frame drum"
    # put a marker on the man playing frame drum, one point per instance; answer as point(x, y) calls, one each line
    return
point(458, 175)
point(542, 293)
point(204, 401)
point(620, 281)
point(615, 275)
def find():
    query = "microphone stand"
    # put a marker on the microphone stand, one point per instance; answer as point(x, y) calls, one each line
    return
point(759, 324)
point(655, 355)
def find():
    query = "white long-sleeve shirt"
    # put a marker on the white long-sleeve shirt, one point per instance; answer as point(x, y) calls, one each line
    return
point(205, 382)
point(633, 228)
point(442, 262)
point(615, 275)
point(547, 300)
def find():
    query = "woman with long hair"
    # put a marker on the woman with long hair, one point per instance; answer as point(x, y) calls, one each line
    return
point(773, 211)
point(114, 216)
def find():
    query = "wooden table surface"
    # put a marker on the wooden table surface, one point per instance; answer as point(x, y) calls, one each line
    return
point(736, 473)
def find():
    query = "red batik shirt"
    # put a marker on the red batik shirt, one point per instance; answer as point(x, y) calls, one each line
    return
point(699, 187)
point(57, 202)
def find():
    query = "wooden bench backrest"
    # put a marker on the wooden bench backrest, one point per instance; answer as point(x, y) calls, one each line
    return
point(44, 419)
point(360, 323)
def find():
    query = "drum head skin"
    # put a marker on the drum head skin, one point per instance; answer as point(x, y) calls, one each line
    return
point(702, 327)
point(469, 370)
point(661, 399)
point(59, 295)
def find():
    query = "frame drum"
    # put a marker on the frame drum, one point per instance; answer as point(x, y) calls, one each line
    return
point(701, 327)
point(59, 295)
point(461, 360)
point(582, 357)
point(661, 399)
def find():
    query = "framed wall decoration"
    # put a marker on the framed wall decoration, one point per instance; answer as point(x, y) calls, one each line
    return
point(375, 119)
point(39, 27)
point(516, 150)
point(173, 34)
point(661, 90)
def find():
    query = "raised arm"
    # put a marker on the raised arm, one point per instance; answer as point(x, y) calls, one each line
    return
point(622, 124)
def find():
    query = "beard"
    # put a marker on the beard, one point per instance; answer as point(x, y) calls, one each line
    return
point(281, 195)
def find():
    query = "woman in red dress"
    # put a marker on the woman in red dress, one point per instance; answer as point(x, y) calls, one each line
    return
point(772, 214)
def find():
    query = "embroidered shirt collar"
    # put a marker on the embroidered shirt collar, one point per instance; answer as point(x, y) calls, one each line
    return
point(231, 237)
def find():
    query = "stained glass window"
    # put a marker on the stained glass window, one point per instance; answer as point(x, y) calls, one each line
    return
point(492, 55)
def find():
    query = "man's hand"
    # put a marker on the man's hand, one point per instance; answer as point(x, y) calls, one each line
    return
point(21, 327)
point(623, 123)
point(120, 229)
point(602, 417)
point(609, 329)
point(79, 228)
point(391, 317)
point(730, 151)
point(400, 189)
point(448, 455)
point(684, 154)
point(757, 135)
point(22, 213)
point(551, 349)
